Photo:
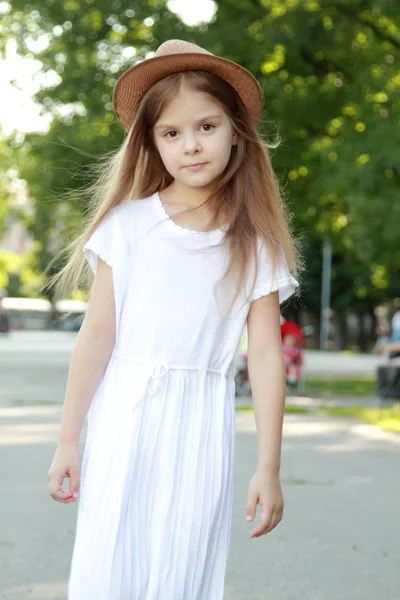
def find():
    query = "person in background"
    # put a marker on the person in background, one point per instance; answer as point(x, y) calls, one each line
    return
point(293, 359)
point(395, 337)
point(391, 351)
point(382, 331)
point(290, 327)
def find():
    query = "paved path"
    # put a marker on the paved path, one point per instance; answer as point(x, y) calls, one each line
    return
point(339, 538)
point(34, 366)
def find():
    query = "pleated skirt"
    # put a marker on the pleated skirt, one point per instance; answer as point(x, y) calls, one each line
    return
point(155, 507)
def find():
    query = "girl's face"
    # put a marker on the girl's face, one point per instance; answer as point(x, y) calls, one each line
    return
point(194, 137)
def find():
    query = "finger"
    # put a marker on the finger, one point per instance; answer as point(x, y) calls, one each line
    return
point(56, 490)
point(251, 506)
point(263, 526)
point(275, 520)
point(63, 496)
point(59, 494)
point(74, 483)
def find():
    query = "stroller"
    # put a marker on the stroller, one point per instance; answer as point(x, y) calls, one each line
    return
point(293, 344)
point(242, 382)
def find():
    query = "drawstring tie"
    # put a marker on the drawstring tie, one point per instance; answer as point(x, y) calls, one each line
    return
point(157, 370)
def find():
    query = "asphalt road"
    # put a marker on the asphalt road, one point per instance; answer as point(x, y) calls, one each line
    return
point(339, 538)
point(34, 366)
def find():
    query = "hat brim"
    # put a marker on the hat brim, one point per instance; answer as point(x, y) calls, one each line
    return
point(132, 84)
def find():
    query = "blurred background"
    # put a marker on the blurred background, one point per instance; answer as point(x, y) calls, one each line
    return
point(330, 76)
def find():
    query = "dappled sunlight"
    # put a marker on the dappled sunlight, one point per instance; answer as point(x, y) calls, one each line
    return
point(37, 433)
point(51, 590)
point(326, 434)
point(370, 432)
point(30, 425)
point(339, 434)
point(313, 426)
point(16, 412)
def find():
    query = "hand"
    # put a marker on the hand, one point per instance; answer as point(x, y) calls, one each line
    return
point(66, 463)
point(264, 489)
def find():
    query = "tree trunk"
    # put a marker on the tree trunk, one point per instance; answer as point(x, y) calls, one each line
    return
point(362, 337)
point(339, 330)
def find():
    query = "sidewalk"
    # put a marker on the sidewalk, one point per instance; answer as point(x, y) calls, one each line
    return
point(339, 537)
point(314, 403)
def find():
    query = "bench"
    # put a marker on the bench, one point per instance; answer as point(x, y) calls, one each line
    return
point(388, 383)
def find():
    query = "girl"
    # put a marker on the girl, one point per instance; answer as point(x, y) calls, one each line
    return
point(188, 242)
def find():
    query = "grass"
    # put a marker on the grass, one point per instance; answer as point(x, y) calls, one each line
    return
point(385, 418)
point(331, 386)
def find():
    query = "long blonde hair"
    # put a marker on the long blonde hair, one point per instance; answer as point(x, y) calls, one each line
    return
point(246, 193)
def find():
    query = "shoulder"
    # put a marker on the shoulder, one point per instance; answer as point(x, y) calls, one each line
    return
point(132, 208)
point(119, 228)
point(270, 258)
point(133, 215)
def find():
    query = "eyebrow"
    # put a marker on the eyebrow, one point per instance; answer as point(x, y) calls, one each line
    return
point(202, 120)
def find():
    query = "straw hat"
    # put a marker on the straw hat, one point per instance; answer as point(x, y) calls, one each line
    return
point(175, 56)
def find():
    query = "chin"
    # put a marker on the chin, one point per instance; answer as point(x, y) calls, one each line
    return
point(197, 182)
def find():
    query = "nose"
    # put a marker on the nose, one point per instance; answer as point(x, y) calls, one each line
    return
point(191, 143)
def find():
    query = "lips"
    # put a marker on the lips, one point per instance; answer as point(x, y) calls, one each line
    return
point(195, 165)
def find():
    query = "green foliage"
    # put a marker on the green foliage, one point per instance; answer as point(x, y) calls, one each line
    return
point(88, 45)
point(19, 273)
point(329, 74)
point(331, 85)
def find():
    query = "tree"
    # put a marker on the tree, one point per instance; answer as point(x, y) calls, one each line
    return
point(330, 84)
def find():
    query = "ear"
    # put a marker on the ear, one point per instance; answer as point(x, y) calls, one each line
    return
point(234, 139)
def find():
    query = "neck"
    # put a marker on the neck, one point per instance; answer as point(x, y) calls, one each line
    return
point(185, 196)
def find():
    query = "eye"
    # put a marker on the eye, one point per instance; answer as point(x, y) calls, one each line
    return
point(168, 134)
point(207, 126)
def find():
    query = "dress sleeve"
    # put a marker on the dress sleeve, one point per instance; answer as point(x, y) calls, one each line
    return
point(104, 242)
point(108, 242)
point(267, 282)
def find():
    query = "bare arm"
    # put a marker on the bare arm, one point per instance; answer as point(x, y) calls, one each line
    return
point(91, 354)
point(267, 378)
point(392, 347)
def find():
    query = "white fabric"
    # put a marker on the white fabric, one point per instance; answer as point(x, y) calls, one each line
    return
point(155, 506)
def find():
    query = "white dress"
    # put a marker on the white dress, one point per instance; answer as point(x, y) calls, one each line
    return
point(155, 505)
